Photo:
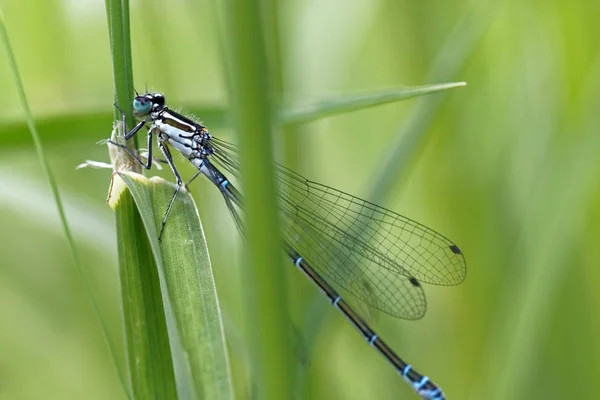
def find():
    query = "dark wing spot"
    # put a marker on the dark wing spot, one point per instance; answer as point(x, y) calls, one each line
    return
point(455, 249)
point(414, 281)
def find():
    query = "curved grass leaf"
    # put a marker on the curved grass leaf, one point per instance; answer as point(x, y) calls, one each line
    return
point(174, 330)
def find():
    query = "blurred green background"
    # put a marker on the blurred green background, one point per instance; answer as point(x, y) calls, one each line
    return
point(507, 168)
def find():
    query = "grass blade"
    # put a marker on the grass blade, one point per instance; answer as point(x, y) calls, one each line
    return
point(180, 297)
point(264, 283)
point(340, 105)
point(117, 12)
point(146, 337)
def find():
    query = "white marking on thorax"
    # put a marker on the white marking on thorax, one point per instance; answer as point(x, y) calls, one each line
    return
point(173, 136)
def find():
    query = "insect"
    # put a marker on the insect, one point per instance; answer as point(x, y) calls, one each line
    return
point(337, 240)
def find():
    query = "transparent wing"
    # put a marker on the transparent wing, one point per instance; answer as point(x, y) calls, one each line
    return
point(390, 240)
point(374, 253)
point(346, 269)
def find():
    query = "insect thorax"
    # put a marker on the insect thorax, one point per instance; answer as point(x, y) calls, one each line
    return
point(189, 138)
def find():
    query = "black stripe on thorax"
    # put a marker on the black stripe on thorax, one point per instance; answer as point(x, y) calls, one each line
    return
point(180, 122)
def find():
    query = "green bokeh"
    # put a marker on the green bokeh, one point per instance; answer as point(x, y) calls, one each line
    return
point(508, 169)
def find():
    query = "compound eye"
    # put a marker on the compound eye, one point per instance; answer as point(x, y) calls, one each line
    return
point(142, 105)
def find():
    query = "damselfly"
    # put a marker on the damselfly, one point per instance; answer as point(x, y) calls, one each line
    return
point(338, 241)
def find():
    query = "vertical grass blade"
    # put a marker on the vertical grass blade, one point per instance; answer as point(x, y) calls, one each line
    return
point(264, 285)
point(117, 12)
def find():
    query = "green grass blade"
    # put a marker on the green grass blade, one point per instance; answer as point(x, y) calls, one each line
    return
point(185, 290)
point(343, 104)
point(56, 195)
point(146, 337)
point(191, 285)
point(117, 12)
point(264, 283)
